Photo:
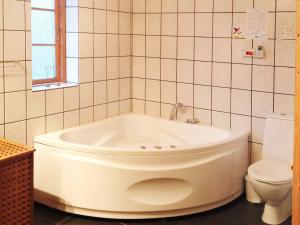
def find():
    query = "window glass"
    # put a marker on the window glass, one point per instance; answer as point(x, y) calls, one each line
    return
point(45, 4)
point(43, 27)
point(43, 62)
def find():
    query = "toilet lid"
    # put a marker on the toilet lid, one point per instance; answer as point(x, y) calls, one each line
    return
point(271, 171)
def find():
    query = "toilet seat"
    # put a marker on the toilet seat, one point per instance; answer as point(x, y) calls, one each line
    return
point(271, 171)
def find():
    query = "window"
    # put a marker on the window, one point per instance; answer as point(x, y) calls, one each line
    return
point(48, 41)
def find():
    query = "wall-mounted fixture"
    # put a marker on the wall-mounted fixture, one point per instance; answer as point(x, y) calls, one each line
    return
point(258, 52)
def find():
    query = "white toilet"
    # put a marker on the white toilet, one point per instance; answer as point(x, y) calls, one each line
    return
point(271, 177)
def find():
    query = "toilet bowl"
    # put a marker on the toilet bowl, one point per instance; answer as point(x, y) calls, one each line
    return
point(271, 177)
point(272, 181)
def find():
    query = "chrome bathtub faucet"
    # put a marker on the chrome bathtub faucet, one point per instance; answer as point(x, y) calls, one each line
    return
point(192, 121)
point(179, 107)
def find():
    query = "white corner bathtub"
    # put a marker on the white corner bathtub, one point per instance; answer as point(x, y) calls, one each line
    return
point(137, 166)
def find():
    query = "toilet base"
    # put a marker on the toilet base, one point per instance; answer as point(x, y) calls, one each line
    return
point(278, 212)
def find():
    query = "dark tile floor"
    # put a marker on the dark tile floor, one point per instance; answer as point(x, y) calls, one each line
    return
point(238, 212)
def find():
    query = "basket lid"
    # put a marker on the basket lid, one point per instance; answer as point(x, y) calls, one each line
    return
point(9, 149)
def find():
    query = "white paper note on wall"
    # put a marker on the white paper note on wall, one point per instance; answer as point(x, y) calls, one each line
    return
point(257, 24)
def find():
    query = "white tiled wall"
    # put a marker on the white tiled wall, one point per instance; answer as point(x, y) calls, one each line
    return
point(98, 57)
point(183, 51)
point(154, 53)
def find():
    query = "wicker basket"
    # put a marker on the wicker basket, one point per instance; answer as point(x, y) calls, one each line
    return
point(16, 184)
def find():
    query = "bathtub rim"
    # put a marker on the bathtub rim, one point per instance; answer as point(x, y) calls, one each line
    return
point(53, 139)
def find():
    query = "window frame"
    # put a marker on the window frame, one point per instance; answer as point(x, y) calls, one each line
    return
point(60, 44)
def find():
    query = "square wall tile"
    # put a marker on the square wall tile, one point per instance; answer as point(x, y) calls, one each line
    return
point(100, 92)
point(99, 21)
point(284, 104)
point(153, 90)
point(112, 67)
point(286, 5)
point(54, 122)
point(169, 24)
point(86, 73)
point(258, 129)
point(222, 25)
point(100, 46)
point(86, 45)
point(71, 98)
point(100, 112)
point(203, 72)
point(169, 5)
point(186, 5)
point(221, 99)
point(241, 102)
point(112, 5)
point(221, 119)
point(203, 49)
point(242, 5)
point(153, 24)
point(86, 21)
point(15, 76)
point(185, 71)
point(241, 122)
point(138, 6)
point(113, 109)
point(153, 68)
point(36, 126)
point(36, 104)
point(185, 48)
point(204, 6)
point(54, 101)
point(113, 90)
point(168, 92)
point(263, 78)
point(124, 23)
point(221, 74)
point(202, 96)
point(153, 46)
point(185, 94)
point(138, 67)
point(222, 49)
point(153, 108)
point(13, 22)
point(138, 46)
point(168, 47)
point(125, 88)
point(86, 115)
point(125, 106)
point(223, 6)
point(241, 76)
point(186, 24)
point(262, 104)
point(204, 116)
point(71, 119)
point(14, 45)
point(204, 24)
point(16, 132)
point(86, 95)
point(139, 24)
point(168, 69)
point(285, 53)
point(285, 80)
point(13, 101)
point(153, 6)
